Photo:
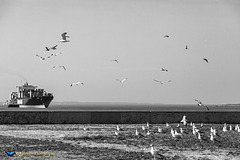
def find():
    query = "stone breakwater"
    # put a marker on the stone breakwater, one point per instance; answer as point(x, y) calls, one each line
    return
point(115, 117)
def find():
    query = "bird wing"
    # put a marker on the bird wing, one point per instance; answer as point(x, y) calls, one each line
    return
point(205, 59)
point(64, 68)
point(197, 101)
point(156, 80)
point(123, 80)
point(54, 47)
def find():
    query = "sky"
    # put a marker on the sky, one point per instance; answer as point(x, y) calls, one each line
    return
point(131, 31)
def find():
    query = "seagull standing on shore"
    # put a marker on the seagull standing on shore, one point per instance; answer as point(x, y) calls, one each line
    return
point(184, 120)
point(152, 151)
point(64, 37)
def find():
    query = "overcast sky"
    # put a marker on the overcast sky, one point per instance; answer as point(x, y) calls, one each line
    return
point(131, 31)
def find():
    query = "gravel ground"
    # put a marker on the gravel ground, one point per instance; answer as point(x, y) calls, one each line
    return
point(100, 142)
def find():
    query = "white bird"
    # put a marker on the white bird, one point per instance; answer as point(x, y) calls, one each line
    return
point(64, 37)
point(60, 67)
point(152, 151)
point(55, 54)
point(201, 104)
point(122, 81)
point(167, 125)
point(119, 129)
point(177, 135)
point(164, 70)
point(136, 132)
point(199, 136)
point(224, 127)
point(159, 130)
point(41, 58)
point(162, 82)
point(184, 120)
point(76, 83)
point(166, 36)
point(116, 133)
point(115, 60)
point(148, 133)
point(211, 137)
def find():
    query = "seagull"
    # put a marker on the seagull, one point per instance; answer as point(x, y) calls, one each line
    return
point(163, 69)
point(201, 104)
point(76, 83)
point(161, 81)
point(205, 59)
point(54, 47)
point(55, 54)
point(184, 120)
point(115, 60)
point(41, 58)
point(153, 152)
point(47, 49)
point(64, 38)
point(119, 129)
point(186, 47)
point(60, 67)
point(122, 81)
point(166, 36)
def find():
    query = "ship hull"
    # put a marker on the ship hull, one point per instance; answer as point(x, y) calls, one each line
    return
point(40, 102)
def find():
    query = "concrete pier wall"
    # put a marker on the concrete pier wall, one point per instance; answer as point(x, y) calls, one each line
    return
point(114, 117)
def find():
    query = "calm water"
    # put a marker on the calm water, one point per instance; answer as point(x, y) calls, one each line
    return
point(126, 107)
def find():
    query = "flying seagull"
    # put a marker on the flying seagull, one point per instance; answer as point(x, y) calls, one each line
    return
point(162, 82)
point(121, 81)
point(115, 60)
point(205, 59)
point(166, 36)
point(41, 58)
point(55, 54)
point(201, 104)
point(54, 47)
point(47, 49)
point(186, 47)
point(64, 37)
point(76, 83)
point(163, 69)
point(60, 67)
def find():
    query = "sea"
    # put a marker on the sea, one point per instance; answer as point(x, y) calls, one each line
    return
point(111, 106)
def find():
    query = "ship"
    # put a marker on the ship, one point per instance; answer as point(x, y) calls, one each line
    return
point(29, 96)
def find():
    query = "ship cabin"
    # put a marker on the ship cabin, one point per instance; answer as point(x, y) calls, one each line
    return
point(27, 91)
